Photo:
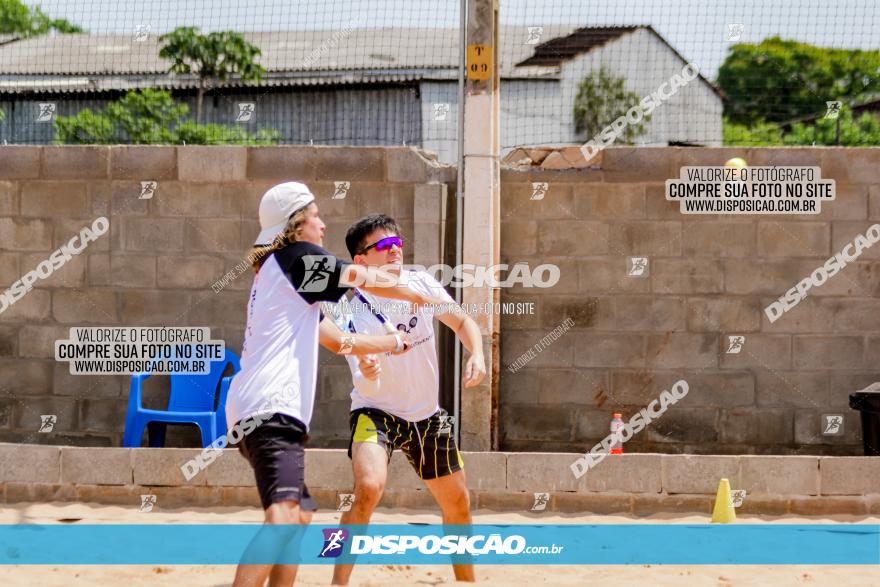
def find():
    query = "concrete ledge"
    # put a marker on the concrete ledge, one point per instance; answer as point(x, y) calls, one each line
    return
point(76, 162)
point(633, 473)
point(638, 484)
point(161, 466)
point(779, 475)
point(229, 470)
point(486, 470)
point(20, 162)
point(212, 163)
point(143, 162)
point(697, 473)
point(539, 472)
point(31, 463)
point(764, 504)
point(646, 504)
point(109, 466)
point(813, 506)
point(590, 503)
point(328, 468)
point(845, 475)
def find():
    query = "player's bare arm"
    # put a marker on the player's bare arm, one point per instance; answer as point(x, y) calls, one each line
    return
point(469, 334)
point(345, 343)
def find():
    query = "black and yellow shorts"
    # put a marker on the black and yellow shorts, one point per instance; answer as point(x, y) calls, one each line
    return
point(429, 444)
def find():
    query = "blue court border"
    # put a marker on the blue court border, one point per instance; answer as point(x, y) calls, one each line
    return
point(611, 544)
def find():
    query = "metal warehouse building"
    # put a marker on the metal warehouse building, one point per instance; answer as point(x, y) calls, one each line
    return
point(364, 86)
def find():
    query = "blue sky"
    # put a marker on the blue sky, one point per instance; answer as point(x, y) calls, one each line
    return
point(696, 28)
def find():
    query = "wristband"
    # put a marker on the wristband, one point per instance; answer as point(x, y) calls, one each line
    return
point(399, 343)
point(346, 345)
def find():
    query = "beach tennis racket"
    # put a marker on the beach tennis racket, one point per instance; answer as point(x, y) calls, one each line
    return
point(374, 309)
point(342, 314)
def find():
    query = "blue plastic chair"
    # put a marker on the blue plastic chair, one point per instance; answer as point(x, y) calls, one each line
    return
point(191, 401)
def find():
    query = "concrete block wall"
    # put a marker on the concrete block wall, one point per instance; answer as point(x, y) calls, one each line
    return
point(157, 264)
point(708, 277)
point(635, 484)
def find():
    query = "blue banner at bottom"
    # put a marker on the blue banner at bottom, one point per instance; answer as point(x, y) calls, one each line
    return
point(417, 544)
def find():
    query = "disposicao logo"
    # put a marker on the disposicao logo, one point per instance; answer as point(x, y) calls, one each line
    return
point(334, 542)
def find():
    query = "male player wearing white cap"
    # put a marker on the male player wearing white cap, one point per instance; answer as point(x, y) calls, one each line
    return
point(394, 401)
point(280, 359)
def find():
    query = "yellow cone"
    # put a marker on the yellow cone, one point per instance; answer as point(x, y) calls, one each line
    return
point(723, 512)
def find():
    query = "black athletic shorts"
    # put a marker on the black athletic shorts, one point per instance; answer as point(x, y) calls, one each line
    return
point(276, 451)
point(429, 444)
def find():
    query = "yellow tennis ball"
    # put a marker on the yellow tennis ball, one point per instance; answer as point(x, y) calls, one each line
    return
point(736, 163)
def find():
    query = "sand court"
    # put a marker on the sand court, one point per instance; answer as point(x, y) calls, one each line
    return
point(375, 575)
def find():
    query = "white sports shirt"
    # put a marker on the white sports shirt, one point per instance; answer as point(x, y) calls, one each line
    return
point(279, 360)
point(409, 384)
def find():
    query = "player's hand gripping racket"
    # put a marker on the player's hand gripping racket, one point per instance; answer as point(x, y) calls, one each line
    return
point(342, 314)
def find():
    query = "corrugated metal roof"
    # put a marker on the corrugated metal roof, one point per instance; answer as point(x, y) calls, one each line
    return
point(321, 50)
point(97, 63)
point(109, 83)
point(560, 49)
point(553, 52)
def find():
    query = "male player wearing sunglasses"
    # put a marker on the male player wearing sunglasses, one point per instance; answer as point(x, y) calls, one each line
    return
point(394, 400)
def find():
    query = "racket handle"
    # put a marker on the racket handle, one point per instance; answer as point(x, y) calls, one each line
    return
point(389, 328)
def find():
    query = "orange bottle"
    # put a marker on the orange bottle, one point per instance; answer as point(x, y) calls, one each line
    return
point(616, 424)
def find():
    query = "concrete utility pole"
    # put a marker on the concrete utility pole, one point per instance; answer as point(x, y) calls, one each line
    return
point(482, 215)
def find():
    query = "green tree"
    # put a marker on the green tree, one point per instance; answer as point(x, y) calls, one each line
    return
point(213, 58)
point(844, 131)
point(601, 99)
point(144, 117)
point(17, 18)
point(85, 128)
point(192, 133)
point(760, 135)
point(150, 117)
point(779, 80)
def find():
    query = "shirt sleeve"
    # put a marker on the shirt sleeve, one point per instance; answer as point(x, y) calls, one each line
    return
point(433, 286)
point(313, 272)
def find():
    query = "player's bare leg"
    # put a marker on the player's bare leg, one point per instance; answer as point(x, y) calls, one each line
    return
point(285, 575)
point(282, 512)
point(370, 464)
point(454, 500)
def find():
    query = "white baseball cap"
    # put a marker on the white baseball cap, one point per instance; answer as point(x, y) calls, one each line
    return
point(278, 205)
